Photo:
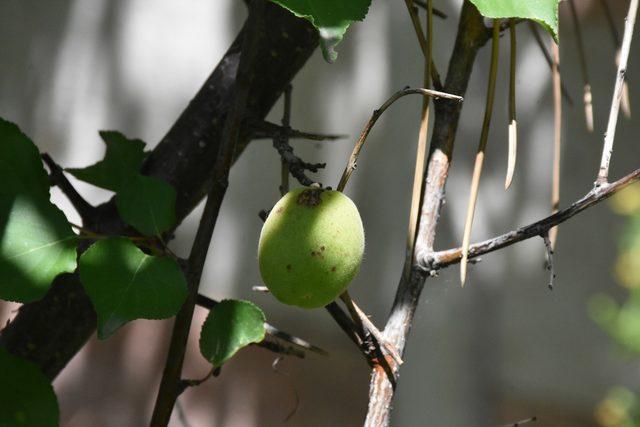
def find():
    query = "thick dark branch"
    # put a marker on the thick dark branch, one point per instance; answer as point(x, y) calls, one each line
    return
point(51, 331)
point(438, 260)
point(56, 174)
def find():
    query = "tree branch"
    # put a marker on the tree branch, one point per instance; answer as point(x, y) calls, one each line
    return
point(353, 159)
point(441, 259)
point(472, 35)
point(51, 331)
point(56, 174)
point(169, 386)
point(262, 129)
point(607, 149)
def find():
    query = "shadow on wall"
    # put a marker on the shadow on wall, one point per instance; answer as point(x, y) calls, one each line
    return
point(500, 349)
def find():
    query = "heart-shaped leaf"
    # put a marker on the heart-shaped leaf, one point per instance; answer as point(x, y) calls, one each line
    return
point(147, 204)
point(230, 325)
point(124, 284)
point(36, 241)
point(121, 162)
point(545, 12)
point(330, 17)
point(26, 396)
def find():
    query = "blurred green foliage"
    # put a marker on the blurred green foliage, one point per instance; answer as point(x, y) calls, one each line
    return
point(621, 320)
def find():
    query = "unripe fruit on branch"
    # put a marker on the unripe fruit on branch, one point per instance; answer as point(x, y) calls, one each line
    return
point(311, 247)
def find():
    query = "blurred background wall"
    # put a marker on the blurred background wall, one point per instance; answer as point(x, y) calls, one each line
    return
point(501, 349)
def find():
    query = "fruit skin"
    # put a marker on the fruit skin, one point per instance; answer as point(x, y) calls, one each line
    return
point(311, 247)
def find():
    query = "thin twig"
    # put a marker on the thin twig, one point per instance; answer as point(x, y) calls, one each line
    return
point(521, 422)
point(625, 103)
point(421, 150)
point(346, 324)
point(290, 163)
point(607, 151)
point(513, 124)
point(425, 5)
point(587, 96)
point(286, 119)
point(557, 136)
point(484, 136)
point(267, 130)
point(170, 382)
point(550, 263)
point(547, 56)
point(424, 45)
point(353, 159)
point(441, 259)
point(471, 36)
point(86, 211)
point(273, 332)
point(373, 330)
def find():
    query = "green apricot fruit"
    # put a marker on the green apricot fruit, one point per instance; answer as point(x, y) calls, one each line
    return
point(311, 247)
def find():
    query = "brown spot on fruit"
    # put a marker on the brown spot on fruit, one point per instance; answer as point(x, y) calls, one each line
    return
point(322, 248)
point(280, 209)
point(289, 267)
point(333, 268)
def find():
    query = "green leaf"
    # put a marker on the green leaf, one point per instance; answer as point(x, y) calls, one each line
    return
point(545, 12)
point(36, 245)
point(147, 204)
point(125, 284)
point(121, 162)
point(21, 170)
point(27, 398)
point(36, 241)
point(230, 325)
point(330, 17)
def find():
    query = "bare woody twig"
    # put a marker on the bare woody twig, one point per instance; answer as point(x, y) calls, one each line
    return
point(267, 130)
point(373, 330)
point(603, 173)
point(625, 103)
point(286, 119)
point(472, 34)
point(273, 335)
point(290, 162)
point(353, 159)
point(86, 211)
point(550, 264)
point(441, 259)
point(169, 385)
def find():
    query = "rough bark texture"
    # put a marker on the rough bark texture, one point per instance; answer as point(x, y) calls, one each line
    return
point(472, 35)
point(51, 331)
